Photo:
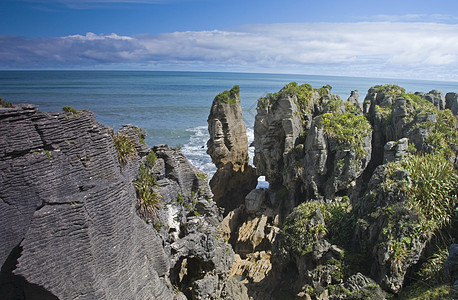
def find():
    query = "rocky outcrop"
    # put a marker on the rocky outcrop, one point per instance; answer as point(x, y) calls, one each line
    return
point(200, 260)
point(451, 102)
point(228, 148)
point(69, 228)
point(72, 223)
point(318, 154)
point(298, 145)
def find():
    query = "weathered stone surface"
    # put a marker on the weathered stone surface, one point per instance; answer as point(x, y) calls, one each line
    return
point(254, 200)
point(395, 151)
point(436, 97)
point(230, 187)
point(228, 141)
point(70, 228)
point(379, 210)
point(276, 129)
point(451, 270)
point(451, 102)
point(228, 148)
point(68, 222)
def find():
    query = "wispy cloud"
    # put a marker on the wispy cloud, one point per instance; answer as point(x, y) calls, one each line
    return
point(424, 18)
point(412, 50)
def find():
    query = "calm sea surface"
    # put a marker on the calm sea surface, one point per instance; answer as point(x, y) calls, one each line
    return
point(171, 106)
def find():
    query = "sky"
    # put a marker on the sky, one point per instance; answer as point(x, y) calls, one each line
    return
point(392, 39)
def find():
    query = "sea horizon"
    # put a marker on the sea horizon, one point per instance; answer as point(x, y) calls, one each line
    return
point(173, 106)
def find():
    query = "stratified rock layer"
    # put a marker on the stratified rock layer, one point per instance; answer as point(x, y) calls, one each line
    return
point(228, 148)
point(68, 220)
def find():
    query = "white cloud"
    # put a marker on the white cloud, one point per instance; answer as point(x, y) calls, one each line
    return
point(92, 36)
point(417, 50)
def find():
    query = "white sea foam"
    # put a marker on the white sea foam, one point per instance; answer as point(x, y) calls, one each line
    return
point(196, 150)
point(250, 136)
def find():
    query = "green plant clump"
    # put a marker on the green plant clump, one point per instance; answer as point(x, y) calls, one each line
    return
point(151, 159)
point(144, 186)
point(303, 93)
point(348, 128)
point(298, 232)
point(70, 109)
point(124, 146)
point(390, 90)
point(5, 104)
point(429, 198)
point(140, 133)
point(202, 176)
point(434, 189)
point(229, 96)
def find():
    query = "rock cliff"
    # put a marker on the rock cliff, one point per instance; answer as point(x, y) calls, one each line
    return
point(347, 214)
point(228, 148)
point(87, 213)
point(355, 194)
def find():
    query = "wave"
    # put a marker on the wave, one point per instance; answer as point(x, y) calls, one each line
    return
point(196, 149)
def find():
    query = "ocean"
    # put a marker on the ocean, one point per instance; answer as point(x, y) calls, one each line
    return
point(172, 107)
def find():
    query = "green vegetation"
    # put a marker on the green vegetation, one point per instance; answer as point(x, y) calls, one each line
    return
point(177, 147)
point(433, 269)
point(124, 146)
point(444, 133)
point(422, 291)
point(151, 159)
point(298, 232)
point(229, 96)
point(144, 184)
point(348, 128)
point(390, 90)
point(5, 104)
point(303, 95)
point(140, 133)
point(48, 154)
point(69, 109)
point(426, 203)
point(202, 176)
point(434, 189)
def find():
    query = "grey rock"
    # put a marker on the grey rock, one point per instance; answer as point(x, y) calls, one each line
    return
point(228, 148)
point(395, 151)
point(276, 130)
point(451, 270)
point(451, 102)
point(437, 98)
point(254, 200)
point(69, 226)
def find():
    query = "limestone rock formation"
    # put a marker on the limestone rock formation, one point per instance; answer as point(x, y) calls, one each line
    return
point(228, 148)
point(451, 102)
point(277, 128)
point(321, 223)
point(72, 223)
point(297, 144)
point(69, 228)
point(228, 141)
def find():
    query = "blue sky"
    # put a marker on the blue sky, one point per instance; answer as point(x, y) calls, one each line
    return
point(407, 39)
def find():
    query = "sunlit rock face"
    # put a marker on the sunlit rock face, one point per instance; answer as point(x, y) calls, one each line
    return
point(228, 148)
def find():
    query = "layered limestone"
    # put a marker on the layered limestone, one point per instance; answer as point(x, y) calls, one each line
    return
point(69, 227)
point(228, 148)
point(335, 209)
point(71, 221)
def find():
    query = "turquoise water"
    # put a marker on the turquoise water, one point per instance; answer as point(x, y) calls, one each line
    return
point(171, 106)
